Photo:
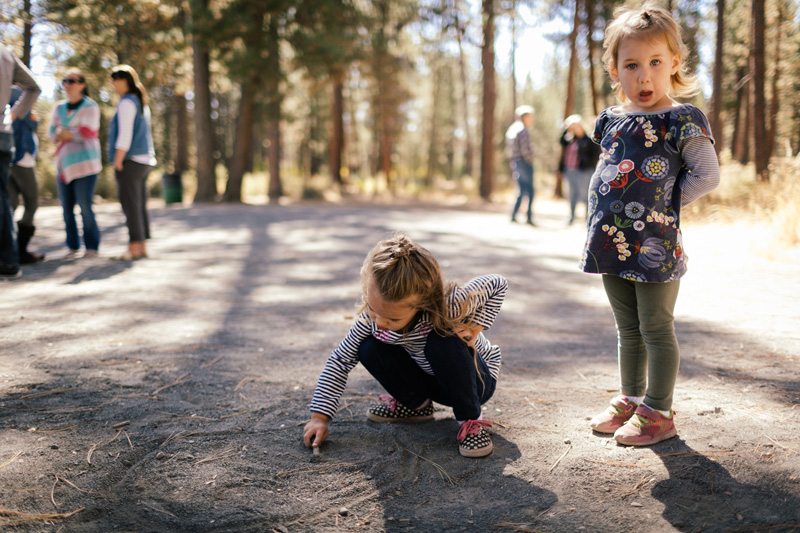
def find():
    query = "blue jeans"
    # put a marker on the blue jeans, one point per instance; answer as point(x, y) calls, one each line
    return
point(9, 255)
point(81, 192)
point(455, 381)
point(578, 181)
point(523, 175)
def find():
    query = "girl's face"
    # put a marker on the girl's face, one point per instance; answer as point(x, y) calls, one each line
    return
point(392, 316)
point(73, 87)
point(120, 86)
point(644, 69)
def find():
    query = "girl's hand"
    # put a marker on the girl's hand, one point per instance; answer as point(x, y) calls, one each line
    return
point(469, 332)
point(64, 135)
point(316, 431)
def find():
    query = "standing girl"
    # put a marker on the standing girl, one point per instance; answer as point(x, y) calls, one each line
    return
point(422, 340)
point(130, 147)
point(74, 127)
point(657, 157)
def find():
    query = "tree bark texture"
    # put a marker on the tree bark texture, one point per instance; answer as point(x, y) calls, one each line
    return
point(716, 107)
point(242, 144)
point(203, 125)
point(489, 93)
point(336, 144)
point(757, 99)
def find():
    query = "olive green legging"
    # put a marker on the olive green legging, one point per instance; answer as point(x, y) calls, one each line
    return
point(647, 348)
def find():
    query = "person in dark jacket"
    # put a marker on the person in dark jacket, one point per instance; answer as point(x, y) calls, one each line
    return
point(579, 161)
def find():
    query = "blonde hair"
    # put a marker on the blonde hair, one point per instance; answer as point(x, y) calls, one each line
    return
point(648, 22)
point(399, 269)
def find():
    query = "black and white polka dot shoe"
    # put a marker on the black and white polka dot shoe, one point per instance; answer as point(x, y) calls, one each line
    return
point(393, 411)
point(473, 439)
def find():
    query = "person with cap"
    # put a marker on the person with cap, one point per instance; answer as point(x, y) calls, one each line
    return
point(520, 149)
point(12, 71)
point(580, 156)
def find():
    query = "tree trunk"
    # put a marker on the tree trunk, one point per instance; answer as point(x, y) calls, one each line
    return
point(757, 100)
point(569, 107)
point(242, 144)
point(275, 190)
point(775, 102)
point(592, 45)
point(487, 62)
point(336, 145)
point(513, 58)
point(27, 33)
point(741, 124)
point(716, 107)
point(469, 168)
point(433, 145)
point(203, 125)
point(181, 163)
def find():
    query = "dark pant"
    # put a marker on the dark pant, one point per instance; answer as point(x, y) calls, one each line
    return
point(132, 188)
point(8, 236)
point(23, 183)
point(455, 381)
point(79, 191)
point(523, 175)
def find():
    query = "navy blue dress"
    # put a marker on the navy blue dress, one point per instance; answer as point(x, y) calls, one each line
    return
point(635, 194)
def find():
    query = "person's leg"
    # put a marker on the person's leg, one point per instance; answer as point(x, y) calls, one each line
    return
point(463, 380)
point(573, 182)
point(66, 195)
point(145, 171)
point(525, 171)
point(84, 195)
point(24, 181)
point(520, 192)
point(9, 256)
point(631, 350)
point(131, 197)
point(392, 366)
point(657, 326)
point(13, 189)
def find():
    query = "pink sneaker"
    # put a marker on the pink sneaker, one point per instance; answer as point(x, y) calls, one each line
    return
point(646, 427)
point(613, 418)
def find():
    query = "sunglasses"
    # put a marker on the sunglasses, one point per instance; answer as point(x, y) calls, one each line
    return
point(70, 81)
point(119, 75)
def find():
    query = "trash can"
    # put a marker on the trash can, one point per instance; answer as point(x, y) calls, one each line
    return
point(173, 189)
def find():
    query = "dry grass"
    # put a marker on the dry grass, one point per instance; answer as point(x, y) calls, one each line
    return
point(772, 207)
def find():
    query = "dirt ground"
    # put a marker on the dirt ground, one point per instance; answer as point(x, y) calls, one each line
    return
point(170, 394)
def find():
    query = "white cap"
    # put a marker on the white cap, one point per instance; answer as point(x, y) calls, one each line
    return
point(573, 119)
point(523, 110)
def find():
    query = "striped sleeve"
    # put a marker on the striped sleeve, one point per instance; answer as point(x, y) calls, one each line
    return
point(485, 294)
point(702, 164)
point(342, 360)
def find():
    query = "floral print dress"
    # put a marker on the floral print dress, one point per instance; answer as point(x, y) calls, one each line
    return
point(635, 193)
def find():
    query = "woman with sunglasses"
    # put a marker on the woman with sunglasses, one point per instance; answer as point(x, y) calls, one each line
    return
point(74, 128)
point(130, 147)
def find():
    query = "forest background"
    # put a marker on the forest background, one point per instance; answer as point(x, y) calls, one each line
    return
point(318, 99)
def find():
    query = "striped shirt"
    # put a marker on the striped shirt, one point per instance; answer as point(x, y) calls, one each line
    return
point(485, 295)
point(79, 157)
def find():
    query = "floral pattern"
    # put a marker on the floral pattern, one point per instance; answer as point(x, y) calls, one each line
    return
point(634, 195)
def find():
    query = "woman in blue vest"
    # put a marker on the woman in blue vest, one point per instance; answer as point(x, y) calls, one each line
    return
point(130, 147)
